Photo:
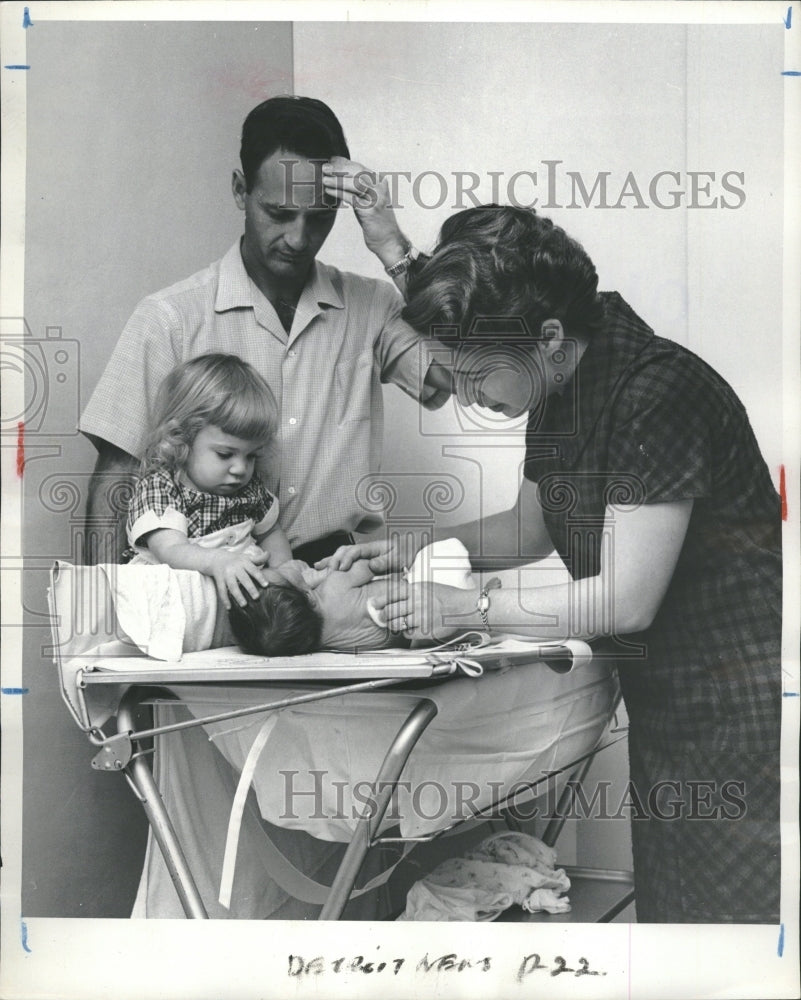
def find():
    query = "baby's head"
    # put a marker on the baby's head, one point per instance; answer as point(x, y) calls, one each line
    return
point(211, 416)
point(281, 621)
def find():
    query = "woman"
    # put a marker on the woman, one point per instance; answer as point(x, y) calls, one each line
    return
point(642, 471)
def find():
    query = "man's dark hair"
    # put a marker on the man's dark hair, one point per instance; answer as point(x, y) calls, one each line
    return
point(499, 261)
point(281, 621)
point(300, 125)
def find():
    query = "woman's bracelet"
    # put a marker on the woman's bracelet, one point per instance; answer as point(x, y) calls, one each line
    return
point(483, 602)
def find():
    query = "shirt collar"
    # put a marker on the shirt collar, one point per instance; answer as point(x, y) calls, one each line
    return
point(610, 351)
point(321, 287)
point(235, 289)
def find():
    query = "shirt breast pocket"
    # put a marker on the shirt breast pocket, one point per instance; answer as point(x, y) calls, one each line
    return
point(354, 387)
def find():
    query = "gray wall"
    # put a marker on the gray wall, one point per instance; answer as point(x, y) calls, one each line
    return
point(133, 131)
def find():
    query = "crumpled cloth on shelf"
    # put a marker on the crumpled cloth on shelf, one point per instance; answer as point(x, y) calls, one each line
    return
point(513, 848)
point(503, 870)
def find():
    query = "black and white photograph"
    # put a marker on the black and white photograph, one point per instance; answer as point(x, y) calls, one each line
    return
point(400, 555)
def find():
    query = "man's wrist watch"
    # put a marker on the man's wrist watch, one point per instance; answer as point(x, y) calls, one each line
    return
point(483, 602)
point(402, 266)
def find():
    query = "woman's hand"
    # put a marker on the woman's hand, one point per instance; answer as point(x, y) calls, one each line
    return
point(235, 571)
point(359, 187)
point(427, 610)
point(384, 557)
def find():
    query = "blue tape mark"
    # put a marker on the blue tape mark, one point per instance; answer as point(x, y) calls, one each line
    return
point(24, 935)
point(16, 66)
point(790, 694)
point(791, 72)
point(14, 690)
point(781, 940)
point(26, 18)
point(788, 21)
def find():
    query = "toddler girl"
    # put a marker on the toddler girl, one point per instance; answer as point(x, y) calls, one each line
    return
point(199, 503)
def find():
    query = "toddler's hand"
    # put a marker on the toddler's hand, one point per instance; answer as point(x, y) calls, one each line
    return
point(233, 571)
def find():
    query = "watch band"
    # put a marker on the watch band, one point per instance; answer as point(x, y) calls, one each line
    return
point(483, 602)
point(402, 266)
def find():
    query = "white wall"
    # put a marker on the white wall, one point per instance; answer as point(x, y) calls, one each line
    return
point(619, 98)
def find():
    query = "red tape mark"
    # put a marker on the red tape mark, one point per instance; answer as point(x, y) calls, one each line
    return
point(20, 448)
point(783, 492)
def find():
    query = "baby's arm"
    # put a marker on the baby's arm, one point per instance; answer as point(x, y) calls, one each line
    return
point(231, 571)
point(276, 545)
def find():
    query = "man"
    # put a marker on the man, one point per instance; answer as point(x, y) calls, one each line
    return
point(323, 339)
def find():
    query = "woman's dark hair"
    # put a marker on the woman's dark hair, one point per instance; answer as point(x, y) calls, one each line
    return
point(281, 621)
point(503, 263)
point(300, 125)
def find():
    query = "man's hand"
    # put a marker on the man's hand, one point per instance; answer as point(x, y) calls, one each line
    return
point(426, 610)
point(359, 187)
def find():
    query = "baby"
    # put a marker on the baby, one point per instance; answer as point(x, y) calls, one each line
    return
point(200, 504)
point(345, 599)
point(281, 621)
point(339, 600)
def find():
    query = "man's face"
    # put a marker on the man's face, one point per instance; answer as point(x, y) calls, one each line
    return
point(287, 219)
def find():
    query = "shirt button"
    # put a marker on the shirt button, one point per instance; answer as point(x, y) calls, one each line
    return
point(291, 354)
point(293, 421)
point(291, 490)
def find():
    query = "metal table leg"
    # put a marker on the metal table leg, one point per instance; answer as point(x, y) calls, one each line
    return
point(141, 778)
point(389, 773)
point(554, 828)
